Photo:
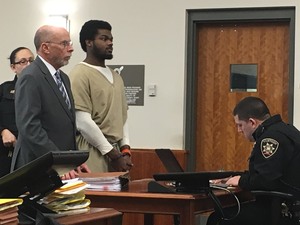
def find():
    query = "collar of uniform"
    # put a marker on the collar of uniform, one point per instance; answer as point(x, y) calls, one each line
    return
point(261, 128)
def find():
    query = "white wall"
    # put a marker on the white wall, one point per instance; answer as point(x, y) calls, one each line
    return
point(151, 33)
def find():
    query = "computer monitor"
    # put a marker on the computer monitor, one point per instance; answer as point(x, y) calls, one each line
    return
point(41, 175)
point(169, 160)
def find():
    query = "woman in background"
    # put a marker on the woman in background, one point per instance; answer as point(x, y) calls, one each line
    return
point(20, 58)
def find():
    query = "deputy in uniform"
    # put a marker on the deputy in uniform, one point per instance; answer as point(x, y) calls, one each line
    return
point(19, 59)
point(273, 163)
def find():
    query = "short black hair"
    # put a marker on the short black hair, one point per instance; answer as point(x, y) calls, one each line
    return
point(251, 107)
point(12, 57)
point(90, 29)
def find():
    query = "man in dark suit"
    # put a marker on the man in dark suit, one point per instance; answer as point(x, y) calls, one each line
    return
point(45, 114)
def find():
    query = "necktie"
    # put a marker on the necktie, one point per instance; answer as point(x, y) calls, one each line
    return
point(62, 89)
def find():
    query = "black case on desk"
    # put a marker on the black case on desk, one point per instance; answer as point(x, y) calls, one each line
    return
point(37, 179)
point(187, 182)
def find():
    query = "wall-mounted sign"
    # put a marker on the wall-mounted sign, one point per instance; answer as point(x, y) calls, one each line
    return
point(133, 77)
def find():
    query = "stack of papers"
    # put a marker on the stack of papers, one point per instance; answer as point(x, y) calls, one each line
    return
point(111, 181)
point(103, 183)
point(68, 199)
point(9, 211)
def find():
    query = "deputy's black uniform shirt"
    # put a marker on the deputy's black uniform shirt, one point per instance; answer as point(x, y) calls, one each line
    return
point(7, 121)
point(274, 163)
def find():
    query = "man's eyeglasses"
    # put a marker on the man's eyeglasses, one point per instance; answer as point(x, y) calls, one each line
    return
point(63, 43)
point(24, 61)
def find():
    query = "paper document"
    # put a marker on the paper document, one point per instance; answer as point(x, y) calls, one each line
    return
point(111, 181)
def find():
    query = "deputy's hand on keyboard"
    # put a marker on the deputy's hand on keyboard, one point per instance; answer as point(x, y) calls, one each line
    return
point(219, 181)
point(233, 181)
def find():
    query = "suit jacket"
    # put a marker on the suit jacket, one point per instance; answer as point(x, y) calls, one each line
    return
point(43, 119)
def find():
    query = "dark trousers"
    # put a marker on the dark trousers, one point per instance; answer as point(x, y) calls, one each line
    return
point(5, 160)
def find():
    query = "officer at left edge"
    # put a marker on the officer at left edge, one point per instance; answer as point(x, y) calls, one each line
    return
point(19, 58)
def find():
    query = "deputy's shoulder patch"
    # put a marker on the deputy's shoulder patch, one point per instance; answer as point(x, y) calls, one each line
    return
point(268, 147)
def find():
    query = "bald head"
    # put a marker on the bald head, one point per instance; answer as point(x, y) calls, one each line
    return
point(54, 45)
point(47, 33)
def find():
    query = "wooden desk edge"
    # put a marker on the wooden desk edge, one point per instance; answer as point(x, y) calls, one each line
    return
point(144, 195)
point(92, 215)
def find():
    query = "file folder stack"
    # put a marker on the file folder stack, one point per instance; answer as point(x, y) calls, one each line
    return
point(68, 199)
point(9, 211)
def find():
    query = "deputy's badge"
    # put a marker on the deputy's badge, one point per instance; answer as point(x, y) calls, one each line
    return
point(268, 147)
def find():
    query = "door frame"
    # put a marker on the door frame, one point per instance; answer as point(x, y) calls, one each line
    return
point(198, 16)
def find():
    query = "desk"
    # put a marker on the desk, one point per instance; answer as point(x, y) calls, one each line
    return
point(96, 216)
point(137, 200)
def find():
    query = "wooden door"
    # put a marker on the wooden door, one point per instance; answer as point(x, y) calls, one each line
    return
point(218, 144)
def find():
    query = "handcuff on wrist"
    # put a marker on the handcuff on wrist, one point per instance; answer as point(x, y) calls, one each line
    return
point(125, 150)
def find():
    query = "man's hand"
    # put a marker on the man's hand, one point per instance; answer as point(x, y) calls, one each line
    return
point(220, 181)
point(127, 159)
point(70, 175)
point(83, 168)
point(8, 138)
point(122, 164)
point(118, 161)
point(233, 181)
